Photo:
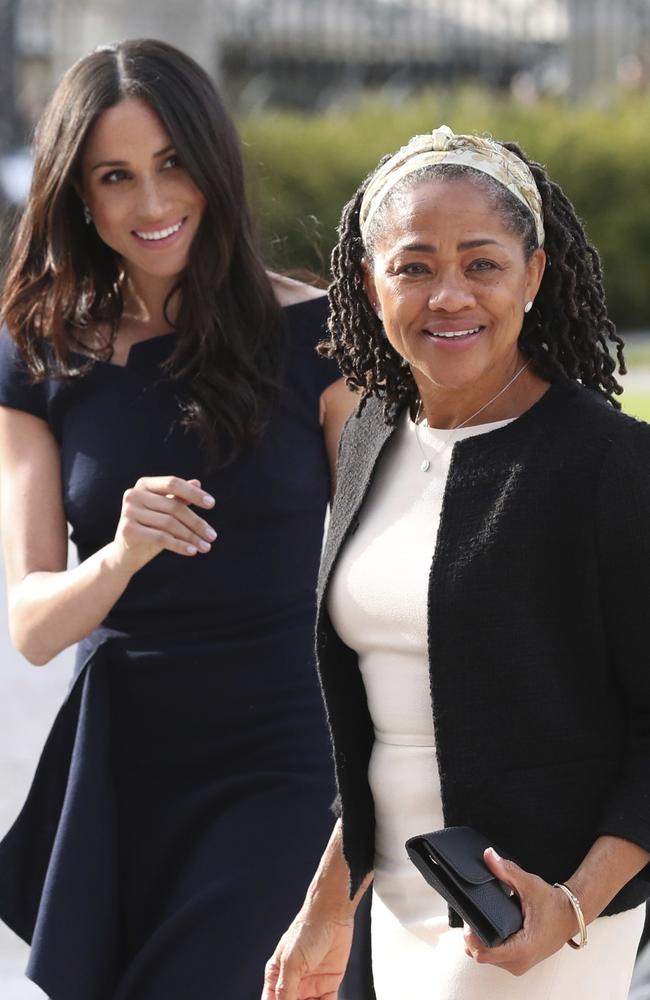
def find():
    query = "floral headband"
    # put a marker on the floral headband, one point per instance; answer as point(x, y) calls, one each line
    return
point(443, 146)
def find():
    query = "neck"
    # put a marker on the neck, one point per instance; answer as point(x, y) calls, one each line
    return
point(485, 401)
point(144, 302)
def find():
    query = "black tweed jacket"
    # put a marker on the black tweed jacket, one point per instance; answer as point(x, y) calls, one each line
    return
point(539, 636)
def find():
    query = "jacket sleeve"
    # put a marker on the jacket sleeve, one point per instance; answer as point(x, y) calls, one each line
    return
point(623, 541)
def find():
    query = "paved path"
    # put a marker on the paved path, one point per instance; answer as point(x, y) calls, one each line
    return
point(29, 699)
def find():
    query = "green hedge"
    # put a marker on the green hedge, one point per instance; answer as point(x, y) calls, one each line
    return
point(303, 169)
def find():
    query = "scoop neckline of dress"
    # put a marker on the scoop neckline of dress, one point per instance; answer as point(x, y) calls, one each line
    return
point(157, 338)
point(459, 432)
point(133, 350)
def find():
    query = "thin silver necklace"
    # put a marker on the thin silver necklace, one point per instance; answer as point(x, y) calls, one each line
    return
point(426, 462)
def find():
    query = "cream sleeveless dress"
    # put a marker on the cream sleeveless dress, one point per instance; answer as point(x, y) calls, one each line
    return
point(378, 605)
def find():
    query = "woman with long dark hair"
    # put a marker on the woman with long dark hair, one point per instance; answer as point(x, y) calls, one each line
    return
point(160, 393)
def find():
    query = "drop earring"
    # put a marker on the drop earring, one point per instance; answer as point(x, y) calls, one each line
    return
point(87, 216)
point(528, 307)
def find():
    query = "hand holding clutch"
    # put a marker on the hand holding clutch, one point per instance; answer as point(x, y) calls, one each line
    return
point(451, 861)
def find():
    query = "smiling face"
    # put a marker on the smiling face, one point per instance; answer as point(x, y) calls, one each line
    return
point(451, 280)
point(143, 202)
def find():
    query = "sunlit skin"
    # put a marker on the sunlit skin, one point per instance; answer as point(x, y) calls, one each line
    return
point(445, 263)
point(135, 186)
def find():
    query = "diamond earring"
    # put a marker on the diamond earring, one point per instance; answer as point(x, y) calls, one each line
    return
point(87, 216)
point(528, 307)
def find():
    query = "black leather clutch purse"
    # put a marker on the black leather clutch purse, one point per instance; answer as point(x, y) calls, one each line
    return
point(451, 861)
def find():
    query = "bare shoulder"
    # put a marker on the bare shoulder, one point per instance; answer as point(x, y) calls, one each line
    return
point(337, 403)
point(339, 396)
point(290, 292)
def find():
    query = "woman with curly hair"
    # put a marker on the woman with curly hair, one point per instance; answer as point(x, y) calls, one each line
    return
point(160, 392)
point(482, 631)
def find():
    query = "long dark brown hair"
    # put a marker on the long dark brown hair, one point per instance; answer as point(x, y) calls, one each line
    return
point(62, 279)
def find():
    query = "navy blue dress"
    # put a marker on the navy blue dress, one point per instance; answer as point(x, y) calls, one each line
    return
point(182, 800)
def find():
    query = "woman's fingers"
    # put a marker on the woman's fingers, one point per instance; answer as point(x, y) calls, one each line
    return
point(288, 981)
point(514, 877)
point(170, 526)
point(156, 515)
point(276, 983)
point(310, 960)
point(546, 928)
point(155, 540)
point(176, 510)
point(173, 486)
point(506, 871)
point(148, 504)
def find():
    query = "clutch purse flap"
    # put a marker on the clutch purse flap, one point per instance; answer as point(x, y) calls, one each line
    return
point(451, 861)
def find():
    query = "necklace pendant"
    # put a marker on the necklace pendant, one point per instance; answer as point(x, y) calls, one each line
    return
point(426, 465)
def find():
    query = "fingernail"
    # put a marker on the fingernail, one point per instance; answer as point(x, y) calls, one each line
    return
point(496, 856)
point(211, 534)
point(204, 546)
point(191, 550)
point(207, 499)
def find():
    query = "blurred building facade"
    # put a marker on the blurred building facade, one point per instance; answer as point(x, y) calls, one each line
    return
point(313, 54)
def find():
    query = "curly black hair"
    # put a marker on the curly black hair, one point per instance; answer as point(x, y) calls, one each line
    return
point(567, 334)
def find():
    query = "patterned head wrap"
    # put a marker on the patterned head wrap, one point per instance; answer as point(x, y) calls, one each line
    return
point(443, 146)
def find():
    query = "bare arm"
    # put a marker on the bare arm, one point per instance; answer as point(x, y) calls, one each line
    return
point(328, 893)
point(51, 607)
point(609, 865)
point(337, 402)
point(311, 957)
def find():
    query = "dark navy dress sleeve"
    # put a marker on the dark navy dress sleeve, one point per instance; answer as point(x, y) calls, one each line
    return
point(16, 388)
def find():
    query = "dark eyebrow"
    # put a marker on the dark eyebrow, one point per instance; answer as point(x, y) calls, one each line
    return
point(124, 163)
point(483, 242)
point(163, 152)
point(430, 248)
point(416, 248)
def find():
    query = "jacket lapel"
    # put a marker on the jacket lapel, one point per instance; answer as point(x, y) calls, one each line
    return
point(363, 440)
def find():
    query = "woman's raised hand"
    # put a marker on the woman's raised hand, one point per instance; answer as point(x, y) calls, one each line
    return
point(156, 515)
point(309, 961)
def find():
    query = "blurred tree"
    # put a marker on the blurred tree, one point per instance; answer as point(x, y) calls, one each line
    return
point(9, 126)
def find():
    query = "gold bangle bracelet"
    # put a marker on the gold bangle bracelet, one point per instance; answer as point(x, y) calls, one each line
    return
point(577, 909)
